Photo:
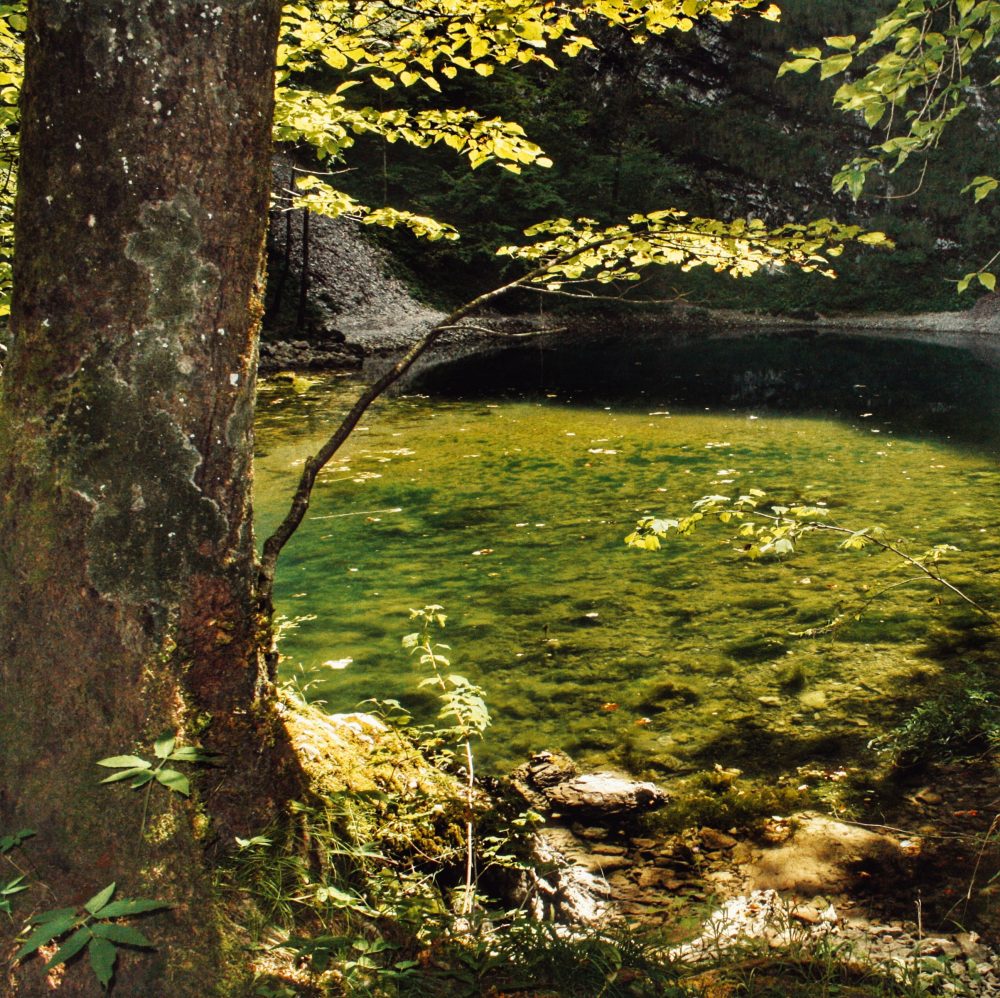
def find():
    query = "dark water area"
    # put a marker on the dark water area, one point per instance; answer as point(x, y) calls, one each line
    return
point(502, 487)
point(908, 387)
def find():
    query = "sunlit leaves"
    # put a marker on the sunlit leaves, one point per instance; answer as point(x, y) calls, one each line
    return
point(326, 122)
point(462, 701)
point(763, 529)
point(981, 187)
point(987, 279)
point(411, 44)
point(415, 45)
point(319, 197)
point(581, 250)
point(13, 22)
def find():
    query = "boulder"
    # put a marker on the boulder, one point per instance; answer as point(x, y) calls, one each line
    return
point(550, 781)
point(604, 795)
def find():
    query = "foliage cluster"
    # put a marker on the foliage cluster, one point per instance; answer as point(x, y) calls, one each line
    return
point(920, 69)
point(773, 530)
point(99, 927)
point(956, 724)
point(13, 21)
point(695, 120)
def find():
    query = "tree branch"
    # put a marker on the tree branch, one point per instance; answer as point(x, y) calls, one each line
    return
point(315, 463)
point(899, 553)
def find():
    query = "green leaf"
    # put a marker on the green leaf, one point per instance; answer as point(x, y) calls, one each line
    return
point(8, 842)
point(841, 41)
point(124, 934)
point(125, 906)
point(988, 280)
point(126, 774)
point(874, 112)
point(51, 916)
point(873, 238)
point(46, 932)
point(118, 761)
point(102, 960)
point(175, 781)
point(834, 64)
point(797, 66)
point(70, 948)
point(188, 753)
point(14, 886)
point(256, 840)
point(164, 745)
point(100, 899)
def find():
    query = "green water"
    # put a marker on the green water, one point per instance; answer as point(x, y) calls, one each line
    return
point(509, 506)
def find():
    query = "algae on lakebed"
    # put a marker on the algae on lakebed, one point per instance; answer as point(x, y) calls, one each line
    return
point(510, 509)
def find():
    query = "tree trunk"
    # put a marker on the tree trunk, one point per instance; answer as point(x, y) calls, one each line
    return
point(127, 567)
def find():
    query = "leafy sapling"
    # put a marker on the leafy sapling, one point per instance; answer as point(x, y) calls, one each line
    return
point(96, 928)
point(462, 701)
point(144, 773)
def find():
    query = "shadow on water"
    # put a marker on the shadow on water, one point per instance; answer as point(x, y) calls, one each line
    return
point(907, 387)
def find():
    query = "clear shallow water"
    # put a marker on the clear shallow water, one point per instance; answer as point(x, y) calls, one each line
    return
point(509, 505)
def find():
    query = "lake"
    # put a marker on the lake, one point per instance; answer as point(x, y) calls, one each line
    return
point(502, 487)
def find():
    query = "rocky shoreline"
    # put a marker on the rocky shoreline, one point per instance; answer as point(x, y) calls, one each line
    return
point(360, 342)
point(792, 884)
point(357, 312)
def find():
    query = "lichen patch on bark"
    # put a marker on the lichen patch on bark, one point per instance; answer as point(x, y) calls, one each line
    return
point(136, 467)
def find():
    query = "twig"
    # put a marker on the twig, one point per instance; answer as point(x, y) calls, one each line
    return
point(886, 546)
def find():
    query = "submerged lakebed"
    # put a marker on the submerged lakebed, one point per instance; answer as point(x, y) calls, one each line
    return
point(503, 486)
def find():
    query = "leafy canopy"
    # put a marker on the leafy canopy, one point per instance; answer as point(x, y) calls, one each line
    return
point(329, 47)
point(918, 70)
point(389, 45)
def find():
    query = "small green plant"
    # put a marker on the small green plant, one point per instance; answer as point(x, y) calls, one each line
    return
point(8, 890)
point(463, 702)
point(17, 885)
point(96, 928)
point(9, 842)
point(360, 960)
point(957, 724)
point(144, 773)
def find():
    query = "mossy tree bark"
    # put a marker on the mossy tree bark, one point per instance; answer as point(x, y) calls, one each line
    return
point(127, 569)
